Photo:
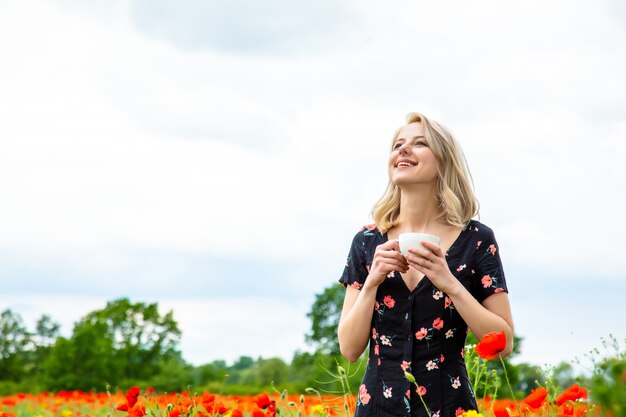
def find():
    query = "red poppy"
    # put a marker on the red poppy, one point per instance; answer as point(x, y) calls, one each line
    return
point(236, 413)
point(491, 345)
point(131, 399)
point(573, 393)
point(138, 410)
point(536, 398)
point(262, 400)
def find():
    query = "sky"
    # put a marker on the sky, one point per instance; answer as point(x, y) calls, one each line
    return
point(218, 157)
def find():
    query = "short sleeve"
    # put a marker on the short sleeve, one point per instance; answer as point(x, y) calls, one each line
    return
point(488, 275)
point(355, 271)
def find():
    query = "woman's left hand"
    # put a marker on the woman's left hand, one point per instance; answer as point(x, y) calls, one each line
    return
point(430, 260)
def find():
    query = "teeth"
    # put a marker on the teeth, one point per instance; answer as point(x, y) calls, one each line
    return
point(405, 164)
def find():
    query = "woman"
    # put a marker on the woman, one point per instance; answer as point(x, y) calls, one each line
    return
point(415, 310)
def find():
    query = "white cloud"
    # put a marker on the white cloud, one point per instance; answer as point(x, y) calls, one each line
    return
point(115, 143)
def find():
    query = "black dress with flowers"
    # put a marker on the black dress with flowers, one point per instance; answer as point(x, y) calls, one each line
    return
point(420, 331)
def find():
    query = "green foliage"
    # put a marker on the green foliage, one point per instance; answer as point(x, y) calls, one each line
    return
point(607, 384)
point(14, 338)
point(324, 315)
point(141, 337)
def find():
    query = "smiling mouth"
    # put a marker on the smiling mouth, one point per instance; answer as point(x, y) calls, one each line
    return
point(405, 164)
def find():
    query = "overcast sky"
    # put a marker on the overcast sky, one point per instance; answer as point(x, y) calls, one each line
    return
point(218, 157)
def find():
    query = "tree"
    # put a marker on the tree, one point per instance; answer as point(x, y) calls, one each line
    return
point(141, 337)
point(324, 315)
point(14, 339)
point(86, 361)
point(121, 344)
point(272, 370)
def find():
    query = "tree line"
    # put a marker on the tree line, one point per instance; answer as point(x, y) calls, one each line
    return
point(131, 343)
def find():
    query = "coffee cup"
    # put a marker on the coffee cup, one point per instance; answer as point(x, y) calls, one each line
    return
point(414, 240)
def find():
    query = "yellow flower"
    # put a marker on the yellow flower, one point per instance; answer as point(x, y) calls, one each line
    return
point(471, 413)
point(66, 413)
point(317, 408)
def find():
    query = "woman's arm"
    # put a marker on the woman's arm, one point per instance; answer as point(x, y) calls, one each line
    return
point(358, 305)
point(356, 318)
point(493, 315)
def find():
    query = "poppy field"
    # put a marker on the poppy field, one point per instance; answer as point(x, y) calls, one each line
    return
point(573, 401)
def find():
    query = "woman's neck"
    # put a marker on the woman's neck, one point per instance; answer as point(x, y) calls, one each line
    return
point(419, 211)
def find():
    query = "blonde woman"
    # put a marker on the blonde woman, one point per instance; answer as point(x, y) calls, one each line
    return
point(415, 310)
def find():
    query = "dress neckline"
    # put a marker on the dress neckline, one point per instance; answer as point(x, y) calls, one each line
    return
point(411, 291)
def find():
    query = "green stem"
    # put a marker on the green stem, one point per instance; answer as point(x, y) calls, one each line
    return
point(506, 376)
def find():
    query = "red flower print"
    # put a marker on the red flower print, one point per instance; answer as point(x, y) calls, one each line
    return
point(573, 393)
point(356, 285)
point(486, 281)
point(368, 227)
point(376, 306)
point(374, 334)
point(459, 411)
point(408, 393)
point(376, 349)
point(461, 267)
point(421, 390)
point(378, 361)
point(492, 249)
point(441, 358)
point(389, 302)
point(447, 302)
point(405, 365)
point(536, 398)
point(491, 345)
point(478, 244)
point(364, 396)
point(498, 290)
point(421, 333)
point(438, 323)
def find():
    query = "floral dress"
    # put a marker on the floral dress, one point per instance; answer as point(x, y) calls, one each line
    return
point(420, 331)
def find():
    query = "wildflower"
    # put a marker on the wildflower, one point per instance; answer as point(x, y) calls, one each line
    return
point(438, 323)
point(471, 413)
point(262, 400)
point(410, 377)
point(573, 393)
point(131, 399)
point(421, 390)
point(536, 398)
point(491, 345)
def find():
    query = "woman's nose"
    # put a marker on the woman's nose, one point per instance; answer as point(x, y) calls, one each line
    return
point(403, 149)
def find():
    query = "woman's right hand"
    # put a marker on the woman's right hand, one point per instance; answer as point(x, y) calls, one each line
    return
point(387, 258)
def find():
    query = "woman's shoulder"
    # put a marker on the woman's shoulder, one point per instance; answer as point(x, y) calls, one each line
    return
point(480, 230)
point(368, 233)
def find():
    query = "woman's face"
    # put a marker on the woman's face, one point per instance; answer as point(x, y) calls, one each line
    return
point(411, 160)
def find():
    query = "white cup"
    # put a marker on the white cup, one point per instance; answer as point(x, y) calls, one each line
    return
point(414, 240)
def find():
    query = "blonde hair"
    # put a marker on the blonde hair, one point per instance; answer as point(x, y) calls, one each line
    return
point(455, 193)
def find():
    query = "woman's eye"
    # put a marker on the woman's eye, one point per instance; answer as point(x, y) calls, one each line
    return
point(397, 145)
point(421, 143)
